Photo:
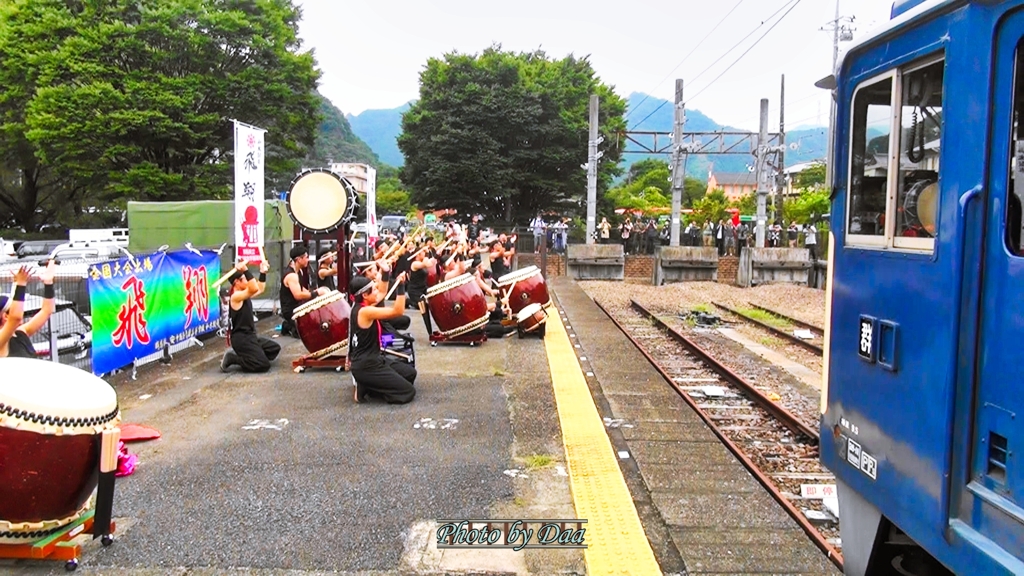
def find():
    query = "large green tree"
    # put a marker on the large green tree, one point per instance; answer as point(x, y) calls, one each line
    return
point(132, 99)
point(504, 134)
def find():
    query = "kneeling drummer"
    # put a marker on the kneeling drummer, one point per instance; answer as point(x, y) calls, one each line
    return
point(249, 352)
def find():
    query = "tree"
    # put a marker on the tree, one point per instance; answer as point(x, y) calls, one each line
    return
point(392, 198)
point(811, 177)
point(132, 99)
point(710, 208)
point(503, 134)
point(809, 205)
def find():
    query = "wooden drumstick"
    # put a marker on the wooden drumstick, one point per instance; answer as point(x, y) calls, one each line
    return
point(263, 256)
point(392, 291)
point(225, 277)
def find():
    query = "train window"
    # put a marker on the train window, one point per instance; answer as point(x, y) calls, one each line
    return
point(1016, 187)
point(918, 179)
point(869, 165)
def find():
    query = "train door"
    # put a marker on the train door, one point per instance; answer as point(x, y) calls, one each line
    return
point(995, 486)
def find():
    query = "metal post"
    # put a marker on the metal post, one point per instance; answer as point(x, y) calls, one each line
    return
point(781, 180)
point(762, 189)
point(592, 157)
point(678, 173)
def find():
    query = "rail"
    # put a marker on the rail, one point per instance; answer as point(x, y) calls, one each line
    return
point(762, 478)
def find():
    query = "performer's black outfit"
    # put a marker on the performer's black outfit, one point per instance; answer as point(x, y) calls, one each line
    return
point(374, 373)
point(20, 346)
point(253, 353)
point(418, 294)
point(289, 302)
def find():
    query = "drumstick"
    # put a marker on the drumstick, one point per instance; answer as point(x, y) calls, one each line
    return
point(392, 291)
point(225, 277)
point(263, 256)
point(362, 264)
point(326, 256)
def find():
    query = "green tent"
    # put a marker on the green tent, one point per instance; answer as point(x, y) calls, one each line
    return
point(207, 224)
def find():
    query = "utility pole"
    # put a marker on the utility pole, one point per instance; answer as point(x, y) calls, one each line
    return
point(592, 157)
point(678, 173)
point(780, 180)
point(840, 32)
point(760, 170)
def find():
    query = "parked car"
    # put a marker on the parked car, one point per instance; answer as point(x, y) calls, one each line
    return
point(394, 223)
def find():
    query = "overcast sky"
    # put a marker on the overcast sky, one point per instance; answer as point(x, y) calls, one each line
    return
point(371, 53)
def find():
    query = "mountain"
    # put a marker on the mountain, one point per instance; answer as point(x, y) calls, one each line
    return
point(336, 141)
point(646, 113)
point(380, 129)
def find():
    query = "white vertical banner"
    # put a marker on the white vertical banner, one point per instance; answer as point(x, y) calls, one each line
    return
point(371, 206)
point(249, 223)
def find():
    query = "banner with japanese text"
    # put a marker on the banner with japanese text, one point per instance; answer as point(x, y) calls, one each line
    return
point(141, 305)
point(248, 192)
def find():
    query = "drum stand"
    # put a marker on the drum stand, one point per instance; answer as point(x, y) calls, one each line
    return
point(59, 545)
point(472, 338)
point(325, 358)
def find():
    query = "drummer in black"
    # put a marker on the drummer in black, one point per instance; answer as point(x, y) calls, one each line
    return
point(373, 372)
point(15, 337)
point(328, 271)
point(248, 351)
point(295, 289)
point(418, 285)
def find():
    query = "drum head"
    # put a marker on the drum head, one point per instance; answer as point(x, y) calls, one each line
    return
point(528, 311)
point(320, 201)
point(927, 206)
point(34, 393)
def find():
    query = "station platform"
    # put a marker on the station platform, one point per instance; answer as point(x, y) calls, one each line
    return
point(282, 473)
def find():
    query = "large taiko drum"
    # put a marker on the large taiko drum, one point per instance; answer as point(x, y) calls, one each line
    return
point(52, 423)
point(320, 201)
point(323, 323)
point(527, 287)
point(458, 305)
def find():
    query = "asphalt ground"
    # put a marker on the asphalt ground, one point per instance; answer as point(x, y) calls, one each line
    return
point(283, 473)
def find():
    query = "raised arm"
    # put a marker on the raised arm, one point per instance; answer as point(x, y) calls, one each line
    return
point(49, 307)
point(16, 311)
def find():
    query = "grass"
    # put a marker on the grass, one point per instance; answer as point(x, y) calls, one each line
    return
point(499, 372)
point(519, 501)
point(702, 308)
point(761, 315)
point(535, 461)
point(770, 341)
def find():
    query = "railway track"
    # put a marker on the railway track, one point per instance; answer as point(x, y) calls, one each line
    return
point(779, 448)
point(783, 328)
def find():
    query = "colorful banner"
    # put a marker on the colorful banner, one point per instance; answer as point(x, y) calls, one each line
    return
point(249, 221)
point(141, 305)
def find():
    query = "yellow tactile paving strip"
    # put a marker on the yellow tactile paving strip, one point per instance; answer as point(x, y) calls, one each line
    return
point(616, 542)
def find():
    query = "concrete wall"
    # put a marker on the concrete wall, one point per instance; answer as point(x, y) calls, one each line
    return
point(596, 262)
point(767, 265)
point(685, 264)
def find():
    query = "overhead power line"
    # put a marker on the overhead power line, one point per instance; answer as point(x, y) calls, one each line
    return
point(742, 40)
point(747, 51)
point(667, 76)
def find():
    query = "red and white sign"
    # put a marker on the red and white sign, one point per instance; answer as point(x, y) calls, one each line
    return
point(249, 223)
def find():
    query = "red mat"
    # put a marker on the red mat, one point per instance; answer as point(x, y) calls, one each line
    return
point(138, 433)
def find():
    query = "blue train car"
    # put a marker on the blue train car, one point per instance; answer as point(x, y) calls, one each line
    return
point(924, 378)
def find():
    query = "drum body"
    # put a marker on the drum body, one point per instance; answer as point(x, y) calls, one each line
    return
point(458, 305)
point(527, 287)
point(531, 317)
point(52, 418)
point(323, 321)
